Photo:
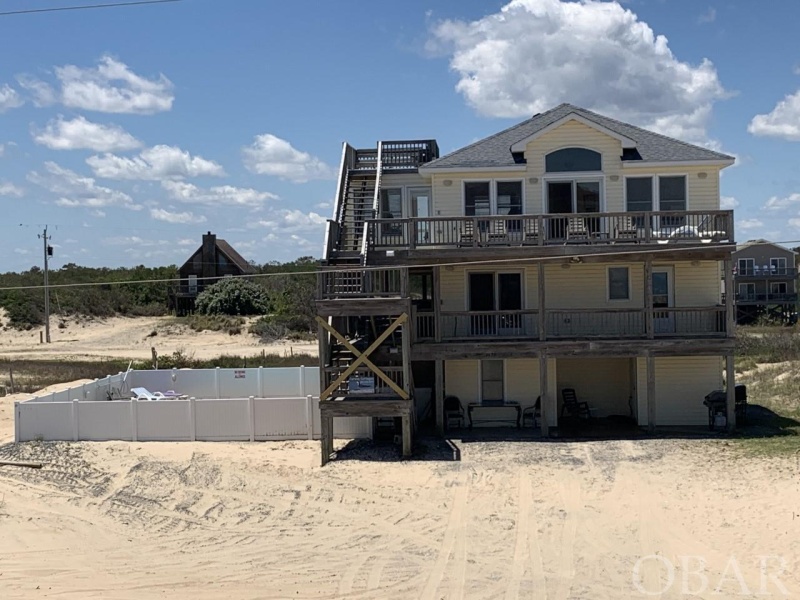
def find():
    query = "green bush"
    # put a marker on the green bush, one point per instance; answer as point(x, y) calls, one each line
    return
point(232, 325)
point(274, 327)
point(233, 296)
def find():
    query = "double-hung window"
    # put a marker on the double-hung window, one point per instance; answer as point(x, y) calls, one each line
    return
point(487, 198)
point(658, 193)
point(777, 266)
point(619, 283)
point(492, 383)
point(746, 267)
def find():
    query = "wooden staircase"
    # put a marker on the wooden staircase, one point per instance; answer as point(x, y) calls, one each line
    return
point(358, 207)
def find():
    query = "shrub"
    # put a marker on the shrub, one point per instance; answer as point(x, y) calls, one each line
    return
point(231, 325)
point(273, 327)
point(233, 296)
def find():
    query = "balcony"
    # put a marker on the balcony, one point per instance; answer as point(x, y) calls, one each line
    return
point(433, 233)
point(570, 324)
point(766, 298)
point(766, 272)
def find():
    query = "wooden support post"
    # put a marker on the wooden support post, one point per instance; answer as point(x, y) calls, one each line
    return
point(544, 392)
point(542, 303)
point(439, 384)
point(437, 303)
point(730, 314)
point(651, 393)
point(730, 386)
point(649, 318)
point(326, 437)
point(407, 434)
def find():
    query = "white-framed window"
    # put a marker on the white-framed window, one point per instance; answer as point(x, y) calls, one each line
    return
point(777, 287)
point(619, 284)
point(571, 160)
point(777, 266)
point(747, 291)
point(192, 284)
point(746, 266)
point(492, 378)
point(493, 197)
point(656, 193)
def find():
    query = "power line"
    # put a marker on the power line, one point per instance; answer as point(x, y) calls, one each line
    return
point(83, 7)
point(493, 261)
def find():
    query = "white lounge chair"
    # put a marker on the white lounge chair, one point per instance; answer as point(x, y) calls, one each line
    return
point(140, 393)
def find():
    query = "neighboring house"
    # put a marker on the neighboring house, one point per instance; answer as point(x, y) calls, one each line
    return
point(214, 259)
point(568, 251)
point(765, 278)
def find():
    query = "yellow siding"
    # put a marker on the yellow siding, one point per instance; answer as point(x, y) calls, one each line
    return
point(697, 285)
point(461, 379)
point(681, 384)
point(586, 285)
point(703, 192)
point(575, 134)
point(605, 383)
point(454, 285)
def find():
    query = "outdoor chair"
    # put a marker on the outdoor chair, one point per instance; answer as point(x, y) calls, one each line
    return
point(572, 406)
point(532, 413)
point(140, 393)
point(453, 412)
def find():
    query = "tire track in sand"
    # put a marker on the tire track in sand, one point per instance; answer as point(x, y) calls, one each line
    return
point(570, 489)
point(527, 550)
point(454, 539)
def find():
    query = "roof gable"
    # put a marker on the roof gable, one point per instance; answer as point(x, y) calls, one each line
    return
point(522, 144)
point(497, 151)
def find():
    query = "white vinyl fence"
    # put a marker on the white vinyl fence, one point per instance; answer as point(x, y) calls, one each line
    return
point(208, 404)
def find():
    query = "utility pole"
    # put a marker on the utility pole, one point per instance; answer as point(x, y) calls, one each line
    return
point(48, 252)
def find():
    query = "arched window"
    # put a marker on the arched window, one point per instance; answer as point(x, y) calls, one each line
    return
point(569, 160)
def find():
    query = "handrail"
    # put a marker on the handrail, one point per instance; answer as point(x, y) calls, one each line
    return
point(375, 204)
point(563, 228)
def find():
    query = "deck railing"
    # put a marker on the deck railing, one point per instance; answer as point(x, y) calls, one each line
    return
point(766, 271)
point(538, 230)
point(405, 155)
point(363, 381)
point(767, 297)
point(563, 324)
point(361, 283)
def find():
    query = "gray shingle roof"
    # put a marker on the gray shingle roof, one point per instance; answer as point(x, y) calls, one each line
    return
point(495, 150)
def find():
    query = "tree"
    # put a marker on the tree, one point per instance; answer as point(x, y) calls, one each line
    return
point(233, 296)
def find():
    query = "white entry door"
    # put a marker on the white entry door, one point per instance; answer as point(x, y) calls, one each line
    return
point(663, 298)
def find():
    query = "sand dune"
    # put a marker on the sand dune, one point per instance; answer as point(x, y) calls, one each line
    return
point(132, 337)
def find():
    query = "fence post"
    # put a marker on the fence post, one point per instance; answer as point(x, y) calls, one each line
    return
point(17, 424)
point(261, 382)
point(192, 420)
point(134, 420)
point(216, 381)
point(302, 370)
point(251, 405)
point(75, 429)
point(310, 416)
point(83, 391)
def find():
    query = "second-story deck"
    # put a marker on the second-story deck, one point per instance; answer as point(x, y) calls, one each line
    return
point(605, 229)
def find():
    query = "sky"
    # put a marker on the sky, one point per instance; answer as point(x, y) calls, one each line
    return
point(131, 131)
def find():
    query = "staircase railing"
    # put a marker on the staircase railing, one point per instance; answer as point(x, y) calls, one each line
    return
point(376, 199)
point(333, 230)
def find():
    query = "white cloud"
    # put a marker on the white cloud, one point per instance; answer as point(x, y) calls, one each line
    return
point(42, 93)
point(782, 122)
point(159, 214)
point(535, 54)
point(113, 88)
point(223, 195)
point(292, 221)
point(777, 203)
point(79, 133)
point(9, 98)
point(749, 224)
point(9, 189)
point(728, 203)
point(156, 163)
point(709, 16)
point(21, 251)
point(74, 190)
point(270, 155)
